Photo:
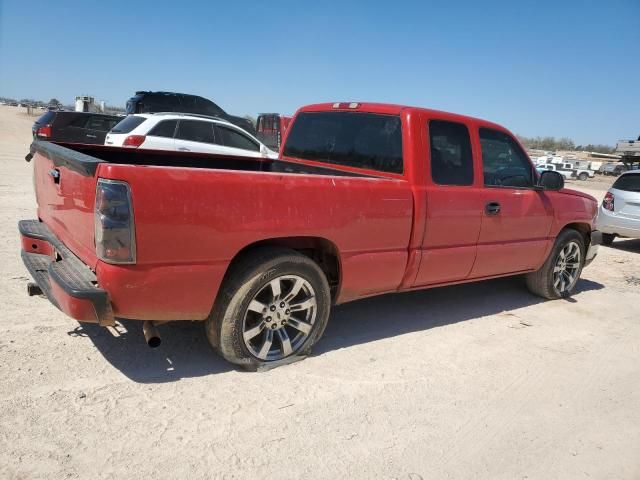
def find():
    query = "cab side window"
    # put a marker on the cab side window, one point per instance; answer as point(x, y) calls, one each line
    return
point(504, 164)
point(451, 157)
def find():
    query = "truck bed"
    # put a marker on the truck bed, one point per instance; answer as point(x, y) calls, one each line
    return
point(195, 212)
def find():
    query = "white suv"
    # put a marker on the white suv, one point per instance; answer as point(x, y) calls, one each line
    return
point(186, 133)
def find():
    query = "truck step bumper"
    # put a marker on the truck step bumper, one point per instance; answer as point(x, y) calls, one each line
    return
point(63, 278)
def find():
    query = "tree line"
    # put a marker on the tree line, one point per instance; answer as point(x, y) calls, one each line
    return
point(563, 143)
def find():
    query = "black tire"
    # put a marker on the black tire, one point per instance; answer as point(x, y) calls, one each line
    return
point(607, 239)
point(249, 276)
point(583, 176)
point(541, 282)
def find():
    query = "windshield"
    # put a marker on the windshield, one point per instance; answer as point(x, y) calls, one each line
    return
point(363, 140)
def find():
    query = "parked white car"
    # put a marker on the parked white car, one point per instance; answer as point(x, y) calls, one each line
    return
point(619, 214)
point(186, 133)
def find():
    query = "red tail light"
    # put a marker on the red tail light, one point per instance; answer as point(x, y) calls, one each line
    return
point(114, 224)
point(134, 141)
point(608, 202)
point(44, 131)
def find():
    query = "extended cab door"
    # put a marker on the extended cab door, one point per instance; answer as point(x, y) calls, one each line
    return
point(516, 218)
point(454, 197)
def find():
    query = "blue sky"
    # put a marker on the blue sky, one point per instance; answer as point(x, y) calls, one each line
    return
point(558, 68)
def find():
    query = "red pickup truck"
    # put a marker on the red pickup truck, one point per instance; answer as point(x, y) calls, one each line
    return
point(366, 199)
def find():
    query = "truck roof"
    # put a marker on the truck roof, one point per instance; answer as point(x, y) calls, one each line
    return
point(392, 109)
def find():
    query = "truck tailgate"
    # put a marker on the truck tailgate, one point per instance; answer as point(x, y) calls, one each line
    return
point(65, 186)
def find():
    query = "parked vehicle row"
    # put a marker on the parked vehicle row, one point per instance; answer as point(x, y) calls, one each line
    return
point(155, 102)
point(185, 133)
point(365, 199)
point(613, 169)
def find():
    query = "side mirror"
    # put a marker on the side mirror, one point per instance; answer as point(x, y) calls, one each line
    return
point(551, 180)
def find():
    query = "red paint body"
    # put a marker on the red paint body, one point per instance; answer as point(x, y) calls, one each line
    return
point(391, 232)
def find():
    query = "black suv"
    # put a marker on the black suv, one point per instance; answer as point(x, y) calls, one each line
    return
point(76, 127)
point(156, 102)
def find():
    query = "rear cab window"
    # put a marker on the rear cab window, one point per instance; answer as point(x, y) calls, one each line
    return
point(363, 140)
point(629, 182)
point(451, 155)
point(128, 124)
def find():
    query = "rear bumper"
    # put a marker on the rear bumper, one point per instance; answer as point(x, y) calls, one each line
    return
point(592, 251)
point(66, 281)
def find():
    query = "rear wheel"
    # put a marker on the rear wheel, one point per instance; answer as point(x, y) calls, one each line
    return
point(583, 176)
point(558, 276)
point(607, 239)
point(273, 307)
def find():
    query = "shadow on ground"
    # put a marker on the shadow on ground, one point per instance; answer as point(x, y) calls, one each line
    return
point(632, 246)
point(185, 351)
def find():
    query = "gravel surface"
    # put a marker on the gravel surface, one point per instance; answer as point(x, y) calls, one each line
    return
point(480, 381)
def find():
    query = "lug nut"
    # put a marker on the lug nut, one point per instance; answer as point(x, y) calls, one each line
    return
point(273, 308)
point(283, 323)
point(287, 311)
point(274, 326)
point(268, 319)
point(281, 304)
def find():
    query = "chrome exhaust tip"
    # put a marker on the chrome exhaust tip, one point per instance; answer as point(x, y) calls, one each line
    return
point(151, 335)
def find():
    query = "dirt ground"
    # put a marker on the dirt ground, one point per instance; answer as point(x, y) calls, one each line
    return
point(480, 381)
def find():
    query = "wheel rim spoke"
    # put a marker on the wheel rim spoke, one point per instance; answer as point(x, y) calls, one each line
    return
point(276, 288)
point(253, 332)
point(301, 326)
point(256, 306)
point(297, 286)
point(285, 342)
point(266, 345)
point(307, 304)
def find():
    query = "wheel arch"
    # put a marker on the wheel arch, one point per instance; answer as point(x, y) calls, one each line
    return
point(321, 250)
point(583, 229)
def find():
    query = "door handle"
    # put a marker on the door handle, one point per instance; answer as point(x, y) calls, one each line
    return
point(91, 136)
point(492, 208)
point(182, 149)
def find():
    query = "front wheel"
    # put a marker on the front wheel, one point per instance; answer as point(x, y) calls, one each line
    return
point(273, 307)
point(558, 276)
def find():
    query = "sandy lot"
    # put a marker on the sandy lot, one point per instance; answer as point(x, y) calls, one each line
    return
point(475, 381)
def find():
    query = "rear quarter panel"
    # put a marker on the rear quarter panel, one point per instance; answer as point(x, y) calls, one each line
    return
point(190, 223)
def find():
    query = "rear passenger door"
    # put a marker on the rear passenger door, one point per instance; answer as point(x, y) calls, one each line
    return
point(160, 137)
point(236, 143)
point(454, 204)
point(196, 136)
point(516, 219)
